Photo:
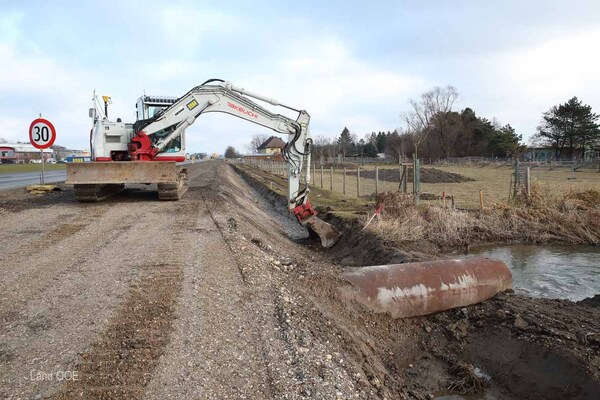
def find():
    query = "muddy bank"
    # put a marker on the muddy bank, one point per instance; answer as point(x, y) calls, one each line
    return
point(509, 347)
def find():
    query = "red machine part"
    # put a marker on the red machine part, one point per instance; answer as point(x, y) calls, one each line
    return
point(141, 148)
point(304, 212)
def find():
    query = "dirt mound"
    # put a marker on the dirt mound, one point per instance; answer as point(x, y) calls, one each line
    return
point(522, 347)
point(428, 175)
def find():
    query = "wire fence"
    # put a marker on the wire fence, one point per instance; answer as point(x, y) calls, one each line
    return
point(462, 186)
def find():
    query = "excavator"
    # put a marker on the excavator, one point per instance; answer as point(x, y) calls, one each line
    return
point(152, 149)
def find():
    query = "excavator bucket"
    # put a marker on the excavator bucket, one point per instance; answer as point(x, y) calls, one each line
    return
point(328, 233)
point(412, 289)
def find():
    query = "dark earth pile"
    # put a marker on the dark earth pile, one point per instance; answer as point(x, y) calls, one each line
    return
point(428, 175)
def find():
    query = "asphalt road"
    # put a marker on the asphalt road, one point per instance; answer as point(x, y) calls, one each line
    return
point(10, 181)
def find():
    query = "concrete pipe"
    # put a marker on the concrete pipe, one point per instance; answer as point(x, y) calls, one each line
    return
point(412, 289)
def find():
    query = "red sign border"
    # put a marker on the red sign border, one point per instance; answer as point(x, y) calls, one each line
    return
point(52, 130)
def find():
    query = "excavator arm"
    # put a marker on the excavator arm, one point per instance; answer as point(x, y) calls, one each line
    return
point(154, 134)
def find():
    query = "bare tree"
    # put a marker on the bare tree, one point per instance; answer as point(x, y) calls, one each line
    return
point(397, 144)
point(2, 140)
point(256, 141)
point(436, 103)
point(320, 144)
point(333, 149)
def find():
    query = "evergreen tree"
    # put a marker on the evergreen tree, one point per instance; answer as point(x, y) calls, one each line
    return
point(506, 143)
point(570, 128)
point(230, 152)
point(345, 142)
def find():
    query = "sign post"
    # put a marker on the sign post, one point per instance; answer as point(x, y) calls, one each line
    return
point(42, 136)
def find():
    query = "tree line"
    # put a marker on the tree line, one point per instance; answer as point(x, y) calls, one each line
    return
point(433, 129)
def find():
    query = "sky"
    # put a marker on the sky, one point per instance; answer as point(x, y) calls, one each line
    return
point(353, 64)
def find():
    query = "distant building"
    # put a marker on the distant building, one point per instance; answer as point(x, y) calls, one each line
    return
point(545, 154)
point(542, 154)
point(62, 153)
point(19, 153)
point(272, 145)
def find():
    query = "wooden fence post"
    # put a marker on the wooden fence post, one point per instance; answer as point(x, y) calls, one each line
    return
point(344, 181)
point(401, 181)
point(331, 178)
point(321, 176)
point(376, 180)
point(358, 181)
point(481, 199)
point(314, 176)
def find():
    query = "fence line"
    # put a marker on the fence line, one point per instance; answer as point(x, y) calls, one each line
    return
point(467, 186)
point(280, 168)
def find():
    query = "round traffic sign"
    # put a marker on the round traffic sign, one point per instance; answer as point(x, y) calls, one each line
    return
point(42, 133)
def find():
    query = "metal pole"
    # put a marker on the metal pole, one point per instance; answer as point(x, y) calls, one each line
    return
point(344, 181)
point(43, 179)
point(331, 178)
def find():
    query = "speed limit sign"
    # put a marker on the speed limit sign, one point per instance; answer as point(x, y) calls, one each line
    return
point(42, 133)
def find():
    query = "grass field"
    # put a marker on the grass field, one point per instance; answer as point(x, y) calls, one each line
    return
point(15, 168)
point(493, 181)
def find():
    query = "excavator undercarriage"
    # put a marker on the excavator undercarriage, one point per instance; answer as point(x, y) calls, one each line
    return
point(100, 180)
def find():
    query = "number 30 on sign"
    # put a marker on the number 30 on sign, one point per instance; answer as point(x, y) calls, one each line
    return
point(42, 133)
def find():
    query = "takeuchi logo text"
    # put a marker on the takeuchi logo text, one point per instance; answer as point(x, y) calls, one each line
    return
point(242, 110)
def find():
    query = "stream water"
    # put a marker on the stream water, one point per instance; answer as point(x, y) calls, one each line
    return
point(566, 272)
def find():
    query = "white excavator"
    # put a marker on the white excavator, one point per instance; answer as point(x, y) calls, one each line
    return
point(152, 150)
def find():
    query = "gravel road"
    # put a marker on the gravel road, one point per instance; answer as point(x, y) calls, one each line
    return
point(137, 298)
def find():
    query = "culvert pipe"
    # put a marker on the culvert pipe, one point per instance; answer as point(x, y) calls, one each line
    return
point(412, 289)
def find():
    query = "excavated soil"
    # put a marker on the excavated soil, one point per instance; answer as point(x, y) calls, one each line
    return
point(220, 295)
point(428, 175)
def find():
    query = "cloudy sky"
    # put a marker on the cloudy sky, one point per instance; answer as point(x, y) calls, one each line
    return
point(346, 64)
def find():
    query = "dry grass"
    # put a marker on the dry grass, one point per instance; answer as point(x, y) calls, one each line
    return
point(572, 218)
